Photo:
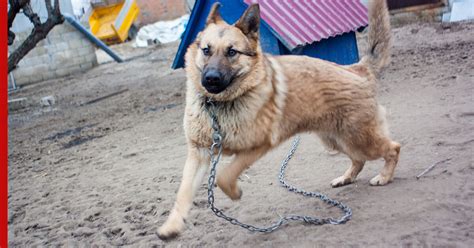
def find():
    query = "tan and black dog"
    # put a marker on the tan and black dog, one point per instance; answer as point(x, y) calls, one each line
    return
point(263, 100)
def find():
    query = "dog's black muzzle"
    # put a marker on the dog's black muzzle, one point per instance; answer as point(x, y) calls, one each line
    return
point(214, 81)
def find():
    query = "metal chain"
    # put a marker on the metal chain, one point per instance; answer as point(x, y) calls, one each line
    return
point(215, 155)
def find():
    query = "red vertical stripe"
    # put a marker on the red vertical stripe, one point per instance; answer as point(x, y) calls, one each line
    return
point(3, 127)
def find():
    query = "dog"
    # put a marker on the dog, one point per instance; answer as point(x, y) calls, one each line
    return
point(262, 100)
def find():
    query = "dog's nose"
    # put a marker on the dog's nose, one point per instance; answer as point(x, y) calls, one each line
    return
point(213, 78)
point(214, 81)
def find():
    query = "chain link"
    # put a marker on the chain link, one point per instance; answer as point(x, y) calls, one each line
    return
point(215, 155)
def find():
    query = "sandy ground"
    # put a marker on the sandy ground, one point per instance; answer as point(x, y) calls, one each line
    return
point(106, 173)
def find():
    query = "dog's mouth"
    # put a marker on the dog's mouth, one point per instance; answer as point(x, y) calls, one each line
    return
point(218, 88)
point(214, 89)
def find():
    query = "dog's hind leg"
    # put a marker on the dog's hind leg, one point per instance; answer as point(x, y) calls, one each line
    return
point(350, 175)
point(194, 170)
point(391, 154)
point(227, 177)
point(387, 149)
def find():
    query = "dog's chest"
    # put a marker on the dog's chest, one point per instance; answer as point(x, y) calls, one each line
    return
point(241, 128)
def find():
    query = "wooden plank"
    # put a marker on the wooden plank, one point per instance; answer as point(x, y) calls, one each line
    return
point(418, 8)
point(400, 4)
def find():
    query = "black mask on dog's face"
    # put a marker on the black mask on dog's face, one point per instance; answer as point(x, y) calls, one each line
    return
point(217, 74)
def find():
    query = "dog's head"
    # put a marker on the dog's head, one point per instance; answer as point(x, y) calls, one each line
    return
point(224, 54)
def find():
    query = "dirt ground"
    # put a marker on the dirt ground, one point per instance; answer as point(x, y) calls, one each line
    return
point(106, 172)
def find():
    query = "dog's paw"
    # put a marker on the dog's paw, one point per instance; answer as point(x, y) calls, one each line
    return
point(165, 235)
point(238, 195)
point(379, 180)
point(233, 192)
point(341, 181)
point(172, 227)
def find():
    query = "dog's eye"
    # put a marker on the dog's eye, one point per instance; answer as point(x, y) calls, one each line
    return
point(231, 52)
point(205, 51)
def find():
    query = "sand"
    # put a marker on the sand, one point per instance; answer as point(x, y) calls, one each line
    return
point(106, 173)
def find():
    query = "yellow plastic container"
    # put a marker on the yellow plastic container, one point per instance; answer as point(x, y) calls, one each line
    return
point(112, 23)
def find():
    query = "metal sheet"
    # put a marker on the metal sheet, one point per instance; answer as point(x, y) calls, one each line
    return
point(299, 23)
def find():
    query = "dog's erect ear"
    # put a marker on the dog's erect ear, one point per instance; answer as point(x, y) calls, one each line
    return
point(214, 15)
point(249, 22)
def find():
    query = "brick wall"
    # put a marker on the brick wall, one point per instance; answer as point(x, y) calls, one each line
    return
point(152, 11)
point(64, 51)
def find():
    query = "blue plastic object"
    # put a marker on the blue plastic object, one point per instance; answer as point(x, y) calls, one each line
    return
point(341, 49)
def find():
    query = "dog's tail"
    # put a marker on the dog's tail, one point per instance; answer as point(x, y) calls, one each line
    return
point(379, 36)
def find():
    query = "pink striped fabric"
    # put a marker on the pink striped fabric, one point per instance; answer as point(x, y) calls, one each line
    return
point(301, 22)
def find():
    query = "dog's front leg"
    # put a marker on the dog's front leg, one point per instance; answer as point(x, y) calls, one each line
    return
point(227, 177)
point(194, 170)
